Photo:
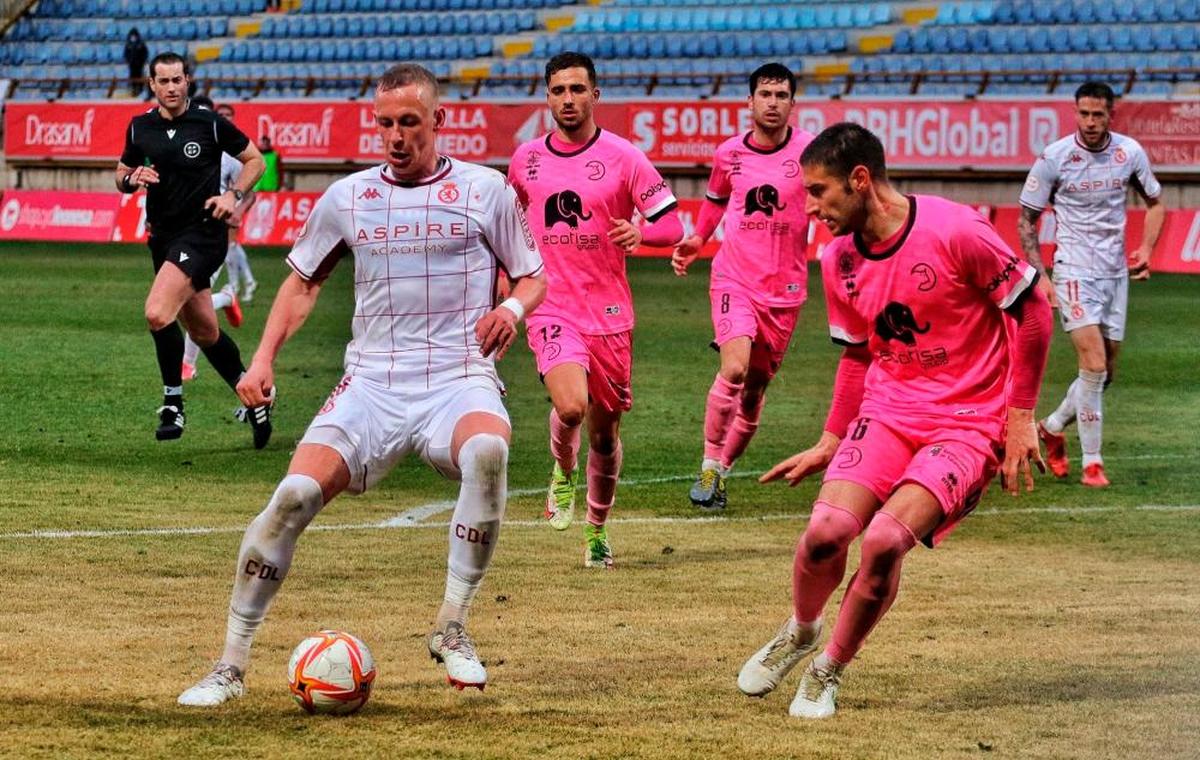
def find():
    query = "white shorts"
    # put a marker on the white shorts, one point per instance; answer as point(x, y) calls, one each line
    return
point(1094, 301)
point(373, 427)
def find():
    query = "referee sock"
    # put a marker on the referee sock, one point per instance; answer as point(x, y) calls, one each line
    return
point(225, 358)
point(168, 345)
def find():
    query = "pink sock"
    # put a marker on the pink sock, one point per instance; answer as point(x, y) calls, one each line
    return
point(821, 558)
point(564, 442)
point(602, 473)
point(745, 425)
point(722, 397)
point(873, 588)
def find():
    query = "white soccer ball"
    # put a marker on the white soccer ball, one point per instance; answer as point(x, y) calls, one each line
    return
point(331, 672)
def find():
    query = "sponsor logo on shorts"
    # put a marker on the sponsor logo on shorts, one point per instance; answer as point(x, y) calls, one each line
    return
point(612, 310)
point(338, 390)
point(849, 457)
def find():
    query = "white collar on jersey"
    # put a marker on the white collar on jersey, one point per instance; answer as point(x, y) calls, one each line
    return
point(440, 170)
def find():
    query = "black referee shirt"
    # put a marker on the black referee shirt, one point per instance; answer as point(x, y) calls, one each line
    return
point(186, 153)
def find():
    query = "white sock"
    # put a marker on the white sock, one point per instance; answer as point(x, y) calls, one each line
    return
point(1065, 413)
point(709, 464)
point(827, 663)
point(222, 298)
point(264, 560)
point(236, 258)
point(191, 350)
point(1091, 417)
point(475, 525)
point(233, 266)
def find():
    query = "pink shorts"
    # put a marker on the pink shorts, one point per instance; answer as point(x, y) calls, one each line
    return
point(736, 315)
point(955, 464)
point(607, 359)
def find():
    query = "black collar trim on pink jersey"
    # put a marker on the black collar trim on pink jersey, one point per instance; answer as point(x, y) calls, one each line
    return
point(766, 151)
point(865, 249)
point(550, 146)
point(443, 168)
point(1107, 143)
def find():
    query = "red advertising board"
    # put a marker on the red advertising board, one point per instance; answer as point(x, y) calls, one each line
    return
point(917, 133)
point(44, 215)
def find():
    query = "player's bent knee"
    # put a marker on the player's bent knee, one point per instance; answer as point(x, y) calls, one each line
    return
point(884, 545)
point(296, 501)
point(484, 455)
point(734, 374)
point(157, 319)
point(571, 413)
point(830, 530)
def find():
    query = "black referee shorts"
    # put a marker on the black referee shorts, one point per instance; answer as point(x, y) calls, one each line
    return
point(199, 250)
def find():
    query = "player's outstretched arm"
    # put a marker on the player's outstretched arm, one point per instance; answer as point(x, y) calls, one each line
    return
point(688, 249)
point(799, 466)
point(1030, 347)
point(293, 303)
point(848, 389)
point(497, 330)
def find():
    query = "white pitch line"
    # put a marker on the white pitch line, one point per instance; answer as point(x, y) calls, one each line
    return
point(707, 519)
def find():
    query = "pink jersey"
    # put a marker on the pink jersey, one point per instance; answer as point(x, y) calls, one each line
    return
point(929, 309)
point(766, 229)
point(570, 198)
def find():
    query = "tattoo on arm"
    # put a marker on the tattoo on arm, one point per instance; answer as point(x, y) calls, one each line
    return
point(1027, 231)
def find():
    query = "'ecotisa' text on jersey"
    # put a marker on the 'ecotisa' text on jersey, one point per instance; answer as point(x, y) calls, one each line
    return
point(186, 152)
point(572, 195)
point(1088, 189)
point(425, 263)
point(766, 229)
point(927, 304)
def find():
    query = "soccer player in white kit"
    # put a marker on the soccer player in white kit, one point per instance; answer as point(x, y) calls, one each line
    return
point(427, 235)
point(1086, 176)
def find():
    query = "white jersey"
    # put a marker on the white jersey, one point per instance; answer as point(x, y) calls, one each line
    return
point(1088, 188)
point(425, 266)
point(230, 169)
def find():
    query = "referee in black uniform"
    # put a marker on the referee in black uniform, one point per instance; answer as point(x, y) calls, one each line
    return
point(174, 151)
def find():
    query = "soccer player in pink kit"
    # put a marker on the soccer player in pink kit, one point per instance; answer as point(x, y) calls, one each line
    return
point(945, 341)
point(427, 235)
point(581, 186)
point(759, 277)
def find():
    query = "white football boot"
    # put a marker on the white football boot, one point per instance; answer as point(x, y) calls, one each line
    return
point(454, 649)
point(817, 693)
point(223, 683)
point(769, 665)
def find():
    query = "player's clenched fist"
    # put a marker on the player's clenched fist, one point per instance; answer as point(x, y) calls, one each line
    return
point(257, 385)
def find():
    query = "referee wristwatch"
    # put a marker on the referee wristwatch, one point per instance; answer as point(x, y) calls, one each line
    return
point(237, 195)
